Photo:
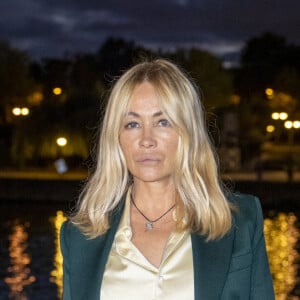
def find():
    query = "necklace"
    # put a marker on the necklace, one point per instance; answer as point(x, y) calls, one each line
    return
point(149, 223)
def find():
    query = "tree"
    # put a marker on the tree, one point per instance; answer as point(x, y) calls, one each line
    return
point(214, 81)
point(72, 114)
point(288, 81)
point(117, 55)
point(15, 86)
point(262, 60)
point(15, 81)
point(267, 61)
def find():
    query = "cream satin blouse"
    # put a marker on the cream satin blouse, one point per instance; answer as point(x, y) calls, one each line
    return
point(130, 276)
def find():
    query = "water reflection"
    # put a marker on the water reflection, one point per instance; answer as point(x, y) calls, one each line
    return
point(57, 272)
point(31, 262)
point(19, 262)
point(282, 236)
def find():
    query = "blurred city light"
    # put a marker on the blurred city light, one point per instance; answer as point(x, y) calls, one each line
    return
point(20, 111)
point(235, 99)
point(16, 111)
point(270, 128)
point(279, 116)
point(60, 164)
point(282, 236)
point(288, 124)
point(57, 91)
point(292, 124)
point(35, 98)
point(296, 124)
point(24, 111)
point(57, 272)
point(61, 141)
point(20, 274)
point(283, 116)
point(269, 92)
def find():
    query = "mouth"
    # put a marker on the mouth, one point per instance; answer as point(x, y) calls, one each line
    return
point(147, 160)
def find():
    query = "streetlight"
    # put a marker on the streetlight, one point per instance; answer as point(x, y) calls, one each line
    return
point(279, 116)
point(57, 91)
point(16, 111)
point(269, 93)
point(290, 126)
point(61, 141)
point(24, 111)
point(60, 163)
point(20, 111)
point(270, 128)
point(283, 116)
point(296, 124)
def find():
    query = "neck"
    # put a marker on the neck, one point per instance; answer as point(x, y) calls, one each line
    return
point(153, 197)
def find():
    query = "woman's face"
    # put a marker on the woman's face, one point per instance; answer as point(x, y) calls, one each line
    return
point(148, 140)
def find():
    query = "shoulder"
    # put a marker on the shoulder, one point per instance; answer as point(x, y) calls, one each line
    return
point(69, 230)
point(70, 235)
point(246, 205)
point(73, 239)
point(247, 217)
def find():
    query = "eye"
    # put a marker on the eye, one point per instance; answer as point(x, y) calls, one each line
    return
point(131, 125)
point(164, 123)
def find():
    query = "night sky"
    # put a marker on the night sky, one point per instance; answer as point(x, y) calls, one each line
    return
point(53, 28)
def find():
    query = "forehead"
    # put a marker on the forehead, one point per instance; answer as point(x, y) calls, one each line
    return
point(144, 98)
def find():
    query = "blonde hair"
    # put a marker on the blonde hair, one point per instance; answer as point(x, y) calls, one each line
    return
point(196, 177)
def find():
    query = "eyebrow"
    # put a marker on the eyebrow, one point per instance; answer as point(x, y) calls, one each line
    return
point(134, 114)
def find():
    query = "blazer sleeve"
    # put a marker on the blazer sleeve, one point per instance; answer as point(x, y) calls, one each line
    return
point(261, 279)
point(66, 266)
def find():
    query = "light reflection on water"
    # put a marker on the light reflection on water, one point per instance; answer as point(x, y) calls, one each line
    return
point(30, 259)
point(282, 236)
point(57, 272)
point(19, 271)
point(28, 242)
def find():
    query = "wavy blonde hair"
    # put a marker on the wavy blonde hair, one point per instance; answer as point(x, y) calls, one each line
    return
point(196, 176)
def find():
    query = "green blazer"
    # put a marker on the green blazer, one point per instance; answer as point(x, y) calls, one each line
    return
point(231, 268)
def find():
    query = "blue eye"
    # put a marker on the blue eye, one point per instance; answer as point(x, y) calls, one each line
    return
point(164, 123)
point(131, 125)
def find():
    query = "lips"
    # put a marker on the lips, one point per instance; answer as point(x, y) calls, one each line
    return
point(147, 159)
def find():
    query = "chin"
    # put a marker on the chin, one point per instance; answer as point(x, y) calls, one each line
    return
point(153, 178)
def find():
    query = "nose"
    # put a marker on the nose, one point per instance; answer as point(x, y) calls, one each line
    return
point(147, 139)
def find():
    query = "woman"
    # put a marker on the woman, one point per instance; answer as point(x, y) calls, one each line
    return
point(153, 221)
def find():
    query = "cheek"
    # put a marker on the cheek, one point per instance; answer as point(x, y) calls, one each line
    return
point(171, 142)
point(126, 145)
point(171, 149)
point(175, 142)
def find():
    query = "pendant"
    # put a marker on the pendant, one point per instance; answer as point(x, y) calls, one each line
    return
point(149, 225)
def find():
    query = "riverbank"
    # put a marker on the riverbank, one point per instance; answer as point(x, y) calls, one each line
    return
point(273, 189)
point(269, 176)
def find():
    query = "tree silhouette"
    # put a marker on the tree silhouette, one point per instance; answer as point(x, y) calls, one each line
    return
point(15, 80)
point(117, 55)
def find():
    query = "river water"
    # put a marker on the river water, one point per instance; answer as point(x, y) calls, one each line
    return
point(31, 263)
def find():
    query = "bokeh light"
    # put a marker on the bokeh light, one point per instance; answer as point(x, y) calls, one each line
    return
point(57, 272)
point(57, 91)
point(282, 235)
point(61, 141)
point(20, 273)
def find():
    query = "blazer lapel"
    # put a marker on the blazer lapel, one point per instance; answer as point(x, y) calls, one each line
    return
point(114, 220)
point(95, 255)
point(211, 264)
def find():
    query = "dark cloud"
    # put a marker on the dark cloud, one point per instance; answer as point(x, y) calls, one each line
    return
point(51, 28)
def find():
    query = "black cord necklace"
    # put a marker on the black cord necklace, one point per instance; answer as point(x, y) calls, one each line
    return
point(149, 223)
